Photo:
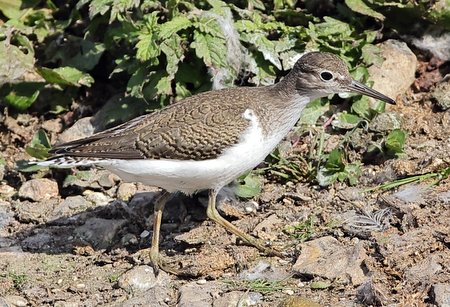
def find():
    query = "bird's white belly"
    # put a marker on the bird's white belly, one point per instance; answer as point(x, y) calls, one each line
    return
point(190, 176)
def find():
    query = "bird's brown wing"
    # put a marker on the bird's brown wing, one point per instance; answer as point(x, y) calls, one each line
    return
point(197, 128)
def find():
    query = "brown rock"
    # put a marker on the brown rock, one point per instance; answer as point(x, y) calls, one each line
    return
point(397, 72)
point(39, 189)
point(327, 258)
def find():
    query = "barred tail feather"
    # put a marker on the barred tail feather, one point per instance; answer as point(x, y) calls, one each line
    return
point(68, 162)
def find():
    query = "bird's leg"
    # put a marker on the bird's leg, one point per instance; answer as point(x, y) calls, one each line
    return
point(155, 257)
point(214, 215)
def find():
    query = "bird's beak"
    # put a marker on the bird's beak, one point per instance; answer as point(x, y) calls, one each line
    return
point(360, 88)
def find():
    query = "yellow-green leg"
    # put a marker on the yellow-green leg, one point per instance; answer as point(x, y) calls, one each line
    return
point(155, 257)
point(214, 215)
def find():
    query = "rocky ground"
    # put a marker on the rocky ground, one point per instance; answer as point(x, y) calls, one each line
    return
point(73, 237)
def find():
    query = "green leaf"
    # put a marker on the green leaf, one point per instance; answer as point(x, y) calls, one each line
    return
point(171, 27)
point(22, 95)
point(147, 48)
point(313, 111)
point(361, 7)
point(11, 8)
point(362, 108)
point(249, 186)
point(39, 145)
point(334, 162)
point(320, 285)
point(66, 76)
point(346, 120)
point(174, 52)
point(395, 141)
point(14, 64)
point(209, 48)
point(28, 167)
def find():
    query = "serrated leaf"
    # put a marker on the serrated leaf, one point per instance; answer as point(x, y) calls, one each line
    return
point(171, 27)
point(209, 48)
point(147, 48)
point(263, 45)
point(361, 7)
point(66, 76)
point(249, 186)
point(395, 141)
point(313, 111)
point(174, 52)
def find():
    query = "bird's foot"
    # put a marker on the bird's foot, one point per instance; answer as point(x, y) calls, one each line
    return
point(155, 260)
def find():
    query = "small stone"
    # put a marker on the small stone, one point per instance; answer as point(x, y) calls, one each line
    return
point(39, 189)
point(201, 281)
point(129, 239)
point(327, 258)
point(238, 298)
point(15, 300)
point(106, 180)
point(288, 292)
point(440, 294)
point(441, 94)
point(194, 295)
point(6, 191)
point(80, 286)
point(144, 234)
point(80, 129)
point(70, 206)
point(142, 278)
point(99, 232)
point(52, 125)
point(126, 190)
point(97, 198)
point(59, 281)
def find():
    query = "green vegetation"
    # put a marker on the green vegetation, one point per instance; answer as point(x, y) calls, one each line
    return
point(142, 55)
point(18, 279)
point(258, 285)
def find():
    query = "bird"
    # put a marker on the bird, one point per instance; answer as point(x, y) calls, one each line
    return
point(207, 140)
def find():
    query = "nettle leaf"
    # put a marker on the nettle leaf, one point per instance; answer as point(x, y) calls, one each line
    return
point(122, 6)
point(263, 45)
point(313, 111)
point(171, 27)
point(99, 7)
point(248, 186)
point(346, 120)
point(174, 52)
point(136, 82)
point(395, 141)
point(361, 7)
point(66, 76)
point(147, 46)
point(210, 48)
point(159, 84)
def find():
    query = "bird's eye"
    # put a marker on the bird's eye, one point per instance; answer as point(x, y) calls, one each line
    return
point(326, 75)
